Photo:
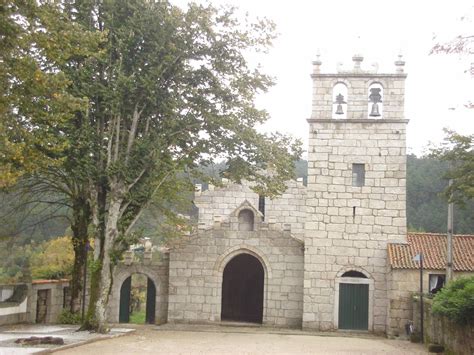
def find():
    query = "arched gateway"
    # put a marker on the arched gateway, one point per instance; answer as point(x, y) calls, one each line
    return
point(125, 299)
point(242, 289)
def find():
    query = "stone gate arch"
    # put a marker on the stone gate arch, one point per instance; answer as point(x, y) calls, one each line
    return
point(157, 274)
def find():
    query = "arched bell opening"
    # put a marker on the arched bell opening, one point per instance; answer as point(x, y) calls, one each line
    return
point(137, 300)
point(375, 108)
point(242, 290)
point(339, 101)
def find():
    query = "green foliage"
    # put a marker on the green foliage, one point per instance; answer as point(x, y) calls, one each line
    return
point(426, 207)
point(458, 151)
point(27, 218)
point(67, 317)
point(47, 260)
point(456, 301)
point(52, 259)
point(38, 41)
point(14, 262)
point(138, 317)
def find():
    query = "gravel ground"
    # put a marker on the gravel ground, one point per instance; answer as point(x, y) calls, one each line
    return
point(69, 333)
point(228, 340)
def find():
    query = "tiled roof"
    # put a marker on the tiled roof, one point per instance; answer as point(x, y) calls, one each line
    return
point(433, 246)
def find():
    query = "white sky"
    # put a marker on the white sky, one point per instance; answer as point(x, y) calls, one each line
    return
point(436, 88)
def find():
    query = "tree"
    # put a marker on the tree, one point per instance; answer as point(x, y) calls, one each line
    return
point(52, 259)
point(37, 40)
point(458, 150)
point(39, 50)
point(426, 207)
point(456, 301)
point(173, 91)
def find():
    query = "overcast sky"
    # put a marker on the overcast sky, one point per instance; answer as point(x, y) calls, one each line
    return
point(436, 88)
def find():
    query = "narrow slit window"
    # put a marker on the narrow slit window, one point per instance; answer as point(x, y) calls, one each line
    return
point(261, 205)
point(358, 175)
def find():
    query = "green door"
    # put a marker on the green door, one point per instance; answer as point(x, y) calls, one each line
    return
point(150, 301)
point(354, 306)
point(124, 310)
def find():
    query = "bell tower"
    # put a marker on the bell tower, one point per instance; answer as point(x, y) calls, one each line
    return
point(356, 195)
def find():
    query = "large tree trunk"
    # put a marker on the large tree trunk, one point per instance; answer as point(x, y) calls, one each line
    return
point(97, 204)
point(107, 265)
point(80, 225)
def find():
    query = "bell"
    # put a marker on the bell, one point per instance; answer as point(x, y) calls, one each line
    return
point(339, 110)
point(375, 110)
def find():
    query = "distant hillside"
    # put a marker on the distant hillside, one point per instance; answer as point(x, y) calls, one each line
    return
point(426, 209)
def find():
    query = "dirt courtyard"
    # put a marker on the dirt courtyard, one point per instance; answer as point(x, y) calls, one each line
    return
point(196, 340)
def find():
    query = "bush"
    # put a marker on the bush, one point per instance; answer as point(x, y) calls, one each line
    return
point(456, 301)
point(67, 317)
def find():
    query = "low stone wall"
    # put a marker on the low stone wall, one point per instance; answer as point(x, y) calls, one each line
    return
point(401, 285)
point(54, 301)
point(13, 304)
point(440, 330)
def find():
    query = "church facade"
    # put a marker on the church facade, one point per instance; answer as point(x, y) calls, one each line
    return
point(316, 257)
point(331, 255)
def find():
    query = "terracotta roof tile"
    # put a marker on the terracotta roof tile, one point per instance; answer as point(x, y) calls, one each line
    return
point(433, 246)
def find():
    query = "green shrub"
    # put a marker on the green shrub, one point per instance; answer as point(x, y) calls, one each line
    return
point(456, 301)
point(67, 317)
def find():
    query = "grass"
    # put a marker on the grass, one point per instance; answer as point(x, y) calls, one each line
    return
point(138, 317)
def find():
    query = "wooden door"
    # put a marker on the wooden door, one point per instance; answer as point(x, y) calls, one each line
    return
point(353, 306)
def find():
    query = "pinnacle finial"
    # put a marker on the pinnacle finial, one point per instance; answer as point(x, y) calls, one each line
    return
point(400, 63)
point(317, 63)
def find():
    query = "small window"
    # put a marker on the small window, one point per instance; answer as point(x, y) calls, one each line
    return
point(353, 273)
point(246, 219)
point(358, 174)
point(436, 283)
point(66, 296)
point(261, 204)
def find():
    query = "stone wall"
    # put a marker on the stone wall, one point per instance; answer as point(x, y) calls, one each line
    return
point(55, 299)
point(288, 208)
point(197, 264)
point(157, 270)
point(456, 339)
point(13, 304)
point(402, 284)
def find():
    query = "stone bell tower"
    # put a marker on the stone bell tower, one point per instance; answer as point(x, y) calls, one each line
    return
point(356, 195)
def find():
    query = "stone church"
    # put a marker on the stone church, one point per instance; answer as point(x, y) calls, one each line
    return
point(317, 256)
point(334, 254)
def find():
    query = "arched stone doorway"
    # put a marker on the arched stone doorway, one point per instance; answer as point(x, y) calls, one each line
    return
point(242, 289)
point(126, 299)
point(354, 299)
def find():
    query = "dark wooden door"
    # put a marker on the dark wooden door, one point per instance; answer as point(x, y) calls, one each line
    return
point(150, 301)
point(354, 306)
point(42, 306)
point(124, 310)
point(242, 290)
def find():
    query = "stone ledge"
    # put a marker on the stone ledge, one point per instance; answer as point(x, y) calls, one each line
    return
point(356, 120)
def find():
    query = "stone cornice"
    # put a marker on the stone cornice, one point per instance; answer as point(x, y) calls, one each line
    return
point(355, 120)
